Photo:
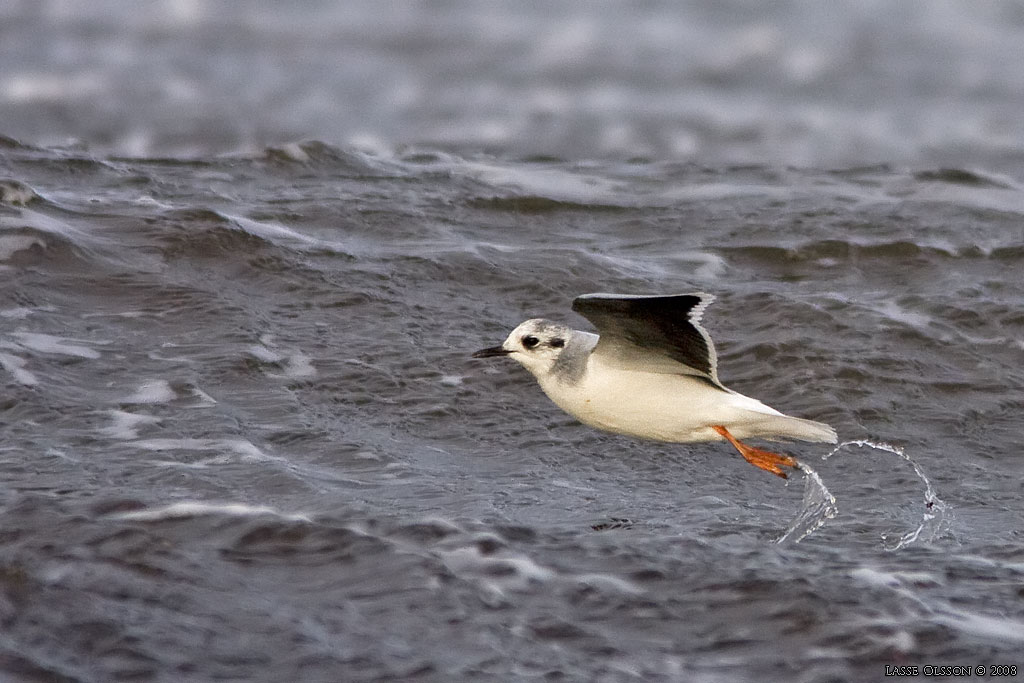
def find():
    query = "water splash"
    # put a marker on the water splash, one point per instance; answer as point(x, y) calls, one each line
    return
point(818, 505)
point(935, 510)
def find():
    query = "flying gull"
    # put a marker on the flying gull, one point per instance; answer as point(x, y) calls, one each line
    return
point(651, 373)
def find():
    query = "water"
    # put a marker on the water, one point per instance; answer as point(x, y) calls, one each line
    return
point(245, 254)
point(934, 513)
point(818, 506)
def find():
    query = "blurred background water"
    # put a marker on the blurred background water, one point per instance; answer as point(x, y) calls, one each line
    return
point(797, 82)
point(246, 249)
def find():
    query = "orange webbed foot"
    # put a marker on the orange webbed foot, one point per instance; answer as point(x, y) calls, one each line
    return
point(766, 460)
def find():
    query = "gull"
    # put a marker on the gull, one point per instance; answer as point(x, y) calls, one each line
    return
point(650, 373)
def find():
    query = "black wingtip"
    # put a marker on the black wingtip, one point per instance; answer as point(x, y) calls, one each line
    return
point(689, 300)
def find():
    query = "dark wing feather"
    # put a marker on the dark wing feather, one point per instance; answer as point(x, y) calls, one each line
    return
point(662, 332)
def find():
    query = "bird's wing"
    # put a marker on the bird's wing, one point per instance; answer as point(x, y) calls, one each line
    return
point(652, 333)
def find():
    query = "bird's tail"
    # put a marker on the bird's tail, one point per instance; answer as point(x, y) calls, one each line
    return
point(786, 427)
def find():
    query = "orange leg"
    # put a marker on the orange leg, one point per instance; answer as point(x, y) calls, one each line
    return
point(766, 460)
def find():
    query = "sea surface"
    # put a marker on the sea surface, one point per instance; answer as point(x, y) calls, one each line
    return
point(246, 251)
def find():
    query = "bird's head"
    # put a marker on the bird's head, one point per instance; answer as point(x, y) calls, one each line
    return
point(536, 344)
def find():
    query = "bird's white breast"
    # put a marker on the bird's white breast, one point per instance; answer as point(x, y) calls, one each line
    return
point(650, 405)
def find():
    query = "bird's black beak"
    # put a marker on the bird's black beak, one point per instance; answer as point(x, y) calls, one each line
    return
point(493, 351)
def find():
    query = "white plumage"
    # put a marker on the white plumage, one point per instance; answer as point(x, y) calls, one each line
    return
point(652, 373)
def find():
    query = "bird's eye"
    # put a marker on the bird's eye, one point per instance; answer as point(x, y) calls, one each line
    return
point(557, 343)
point(529, 341)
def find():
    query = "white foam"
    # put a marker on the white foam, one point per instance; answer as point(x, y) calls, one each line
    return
point(150, 202)
point(942, 612)
point(294, 152)
point(48, 224)
point(607, 582)
point(295, 365)
point(878, 577)
point(263, 354)
point(156, 391)
point(16, 366)
point(47, 343)
point(893, 311)
point(702, 265)
point(241, 447)
point(555, 184)
point(275, 232)
point(982, 625)
point(203, 396)
point(299, 365)
point(124, 425)
point(197, 508)
point(513, 573)
point(874, 577)
point(19, 313)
